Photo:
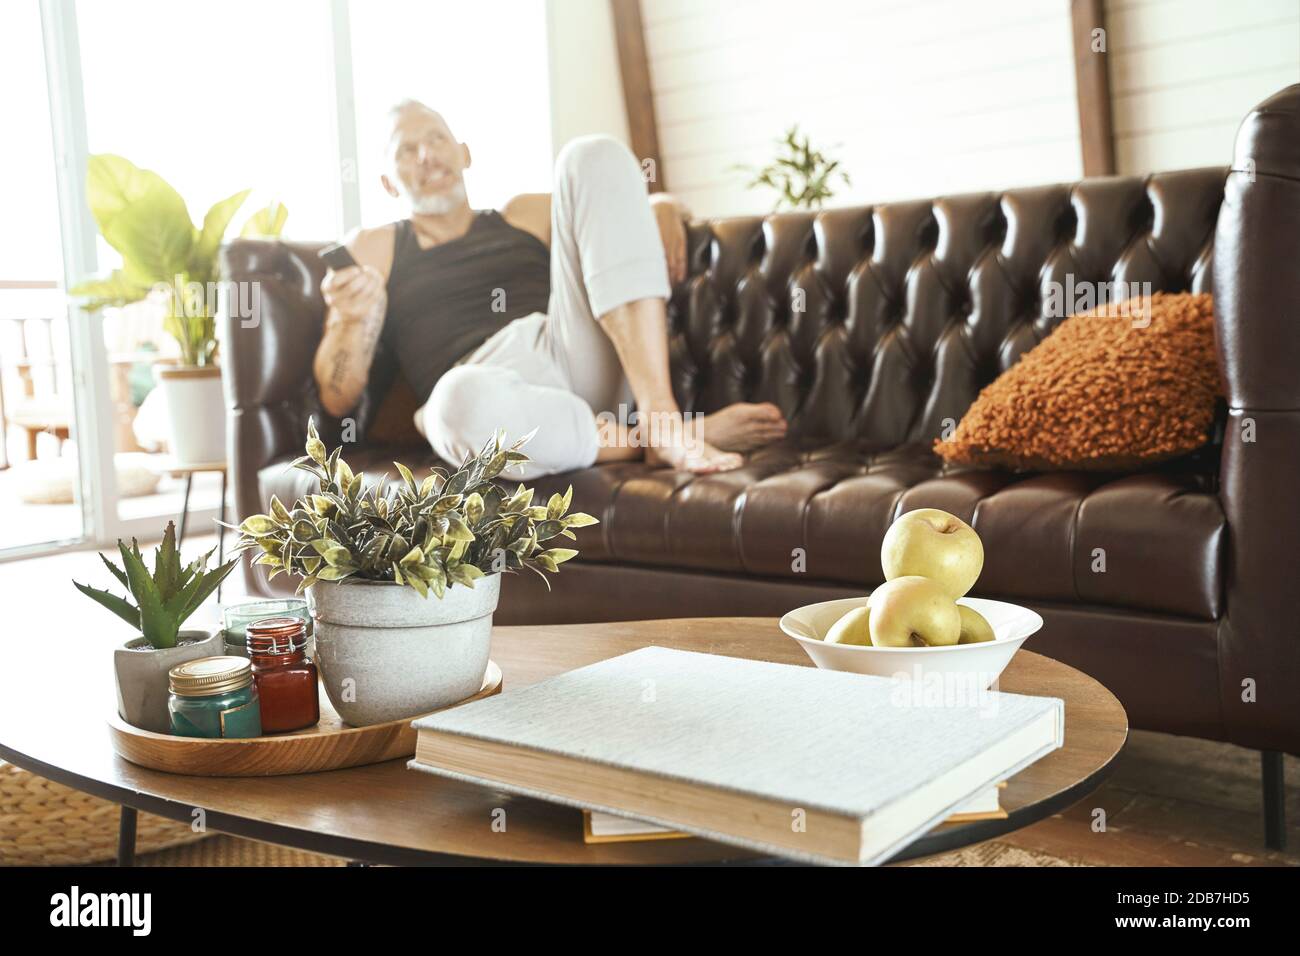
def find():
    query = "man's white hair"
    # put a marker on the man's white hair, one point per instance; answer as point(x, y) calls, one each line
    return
point(407, 103)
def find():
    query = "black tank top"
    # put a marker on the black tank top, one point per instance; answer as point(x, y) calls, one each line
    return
point(446, 301)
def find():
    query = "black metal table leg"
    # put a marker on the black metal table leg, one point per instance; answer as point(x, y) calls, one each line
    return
point(126, 836)
point(221, 532)
point(1270, 762)
point(185, 510)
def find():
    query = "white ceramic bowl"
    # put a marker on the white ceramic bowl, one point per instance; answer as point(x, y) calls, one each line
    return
point(1011, 624)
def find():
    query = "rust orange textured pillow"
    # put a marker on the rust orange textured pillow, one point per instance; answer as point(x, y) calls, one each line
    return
point(1104, 391)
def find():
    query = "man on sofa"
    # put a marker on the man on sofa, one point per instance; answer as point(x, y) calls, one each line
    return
point(549, 314)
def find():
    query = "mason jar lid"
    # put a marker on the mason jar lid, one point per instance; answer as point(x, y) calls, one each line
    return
point(276, 635)
point(208, 676)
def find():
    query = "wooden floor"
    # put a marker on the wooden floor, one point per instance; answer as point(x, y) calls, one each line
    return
point(1172, 801)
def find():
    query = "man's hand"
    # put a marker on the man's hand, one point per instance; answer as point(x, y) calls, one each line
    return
point(357, 300)
point(670, 218)
point(355, 293)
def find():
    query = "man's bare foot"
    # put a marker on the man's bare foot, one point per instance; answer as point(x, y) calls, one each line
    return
point(744, 426)
point(698, 457)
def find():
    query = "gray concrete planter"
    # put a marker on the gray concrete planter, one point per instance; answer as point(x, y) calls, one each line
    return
point(141, 673)
point(386, 653)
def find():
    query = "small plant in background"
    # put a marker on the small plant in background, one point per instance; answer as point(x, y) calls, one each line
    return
point(147, 221)
point(450, 528)
point(801, 176)
point(165, 598)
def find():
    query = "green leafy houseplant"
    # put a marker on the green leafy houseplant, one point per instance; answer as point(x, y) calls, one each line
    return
point(450, 528)
point(165, 597)
point(802, 176)
point(147, 221)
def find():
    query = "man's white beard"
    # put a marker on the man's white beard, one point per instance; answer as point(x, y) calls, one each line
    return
point(439, 204)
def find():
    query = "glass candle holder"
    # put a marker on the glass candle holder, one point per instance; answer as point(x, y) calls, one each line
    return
point(235, 619)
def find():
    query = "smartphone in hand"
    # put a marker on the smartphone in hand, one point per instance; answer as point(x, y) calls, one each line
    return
point(337, 256)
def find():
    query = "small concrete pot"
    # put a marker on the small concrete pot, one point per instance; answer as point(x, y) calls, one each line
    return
point(385, 653)
point(142, 675)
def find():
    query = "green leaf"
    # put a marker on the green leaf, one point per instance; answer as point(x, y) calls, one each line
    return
point(119, 606)
point(157, 627)
point(167, 565)
point(267, 223)
point(204, 254)
point(462, 574)
point(334, 574)
point(140, 216)
point(559, 555)
point(278, 511)
point(315, 447)
point(337, 557)
point(117, 572)
point(418, 584)
point(258, 525)
point(197, 591)
point(116, 289)
point(580, 519)
point(407, 477)
point(457, 530)
point(521, 500)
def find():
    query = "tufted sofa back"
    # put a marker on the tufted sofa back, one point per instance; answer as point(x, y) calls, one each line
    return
point(880, 324)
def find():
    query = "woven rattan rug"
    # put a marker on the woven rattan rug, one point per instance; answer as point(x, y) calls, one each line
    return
point(224, 850)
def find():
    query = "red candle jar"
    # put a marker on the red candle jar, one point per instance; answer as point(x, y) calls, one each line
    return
point(286, 679)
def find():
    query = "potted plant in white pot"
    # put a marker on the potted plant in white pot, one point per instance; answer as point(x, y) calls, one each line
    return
point(369, 560)
point(164, 599)
point(165, 255)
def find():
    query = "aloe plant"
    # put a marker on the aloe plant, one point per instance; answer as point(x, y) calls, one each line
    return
point(146, 220)
point(165, 597)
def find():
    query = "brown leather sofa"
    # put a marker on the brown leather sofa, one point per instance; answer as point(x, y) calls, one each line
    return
point(909, 309)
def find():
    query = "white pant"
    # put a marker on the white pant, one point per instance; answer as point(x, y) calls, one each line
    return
point(556, 372)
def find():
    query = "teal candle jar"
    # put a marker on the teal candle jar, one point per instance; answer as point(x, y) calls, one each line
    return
point(214, 697)
point(235, 619)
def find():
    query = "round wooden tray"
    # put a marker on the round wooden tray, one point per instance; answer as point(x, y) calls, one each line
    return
point(330, 745)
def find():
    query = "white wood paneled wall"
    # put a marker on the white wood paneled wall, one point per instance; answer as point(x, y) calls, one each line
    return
point(1183, 73)
point(916, 97)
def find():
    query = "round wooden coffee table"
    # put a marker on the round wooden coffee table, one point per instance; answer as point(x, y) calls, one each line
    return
point(53, 723)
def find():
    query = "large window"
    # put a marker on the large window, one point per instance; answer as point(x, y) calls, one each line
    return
point(272, 95)
point(483, 65)
point(219, 97)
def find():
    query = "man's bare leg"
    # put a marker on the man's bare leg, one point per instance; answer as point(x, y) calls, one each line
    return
point(607, 325)
point(639, 331)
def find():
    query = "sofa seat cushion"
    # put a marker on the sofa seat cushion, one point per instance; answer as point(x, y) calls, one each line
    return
point(1150, 541)
point(818, 512)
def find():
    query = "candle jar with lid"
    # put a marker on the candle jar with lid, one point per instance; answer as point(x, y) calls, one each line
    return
point(214, 697)
point(286, 678)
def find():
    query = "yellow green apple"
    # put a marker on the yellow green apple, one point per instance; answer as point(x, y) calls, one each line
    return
point(974, 628)
point(852, 628)
point(913, 611)
point(935, 545)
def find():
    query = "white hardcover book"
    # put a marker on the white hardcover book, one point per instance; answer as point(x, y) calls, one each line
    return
point(815, 765)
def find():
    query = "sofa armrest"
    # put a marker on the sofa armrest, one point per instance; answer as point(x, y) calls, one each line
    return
point(1257, 306)
point(270, 326)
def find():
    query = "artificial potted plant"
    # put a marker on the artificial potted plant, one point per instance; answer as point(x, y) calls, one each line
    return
point(370, 558)
point(165, 254)
point(164, 599)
